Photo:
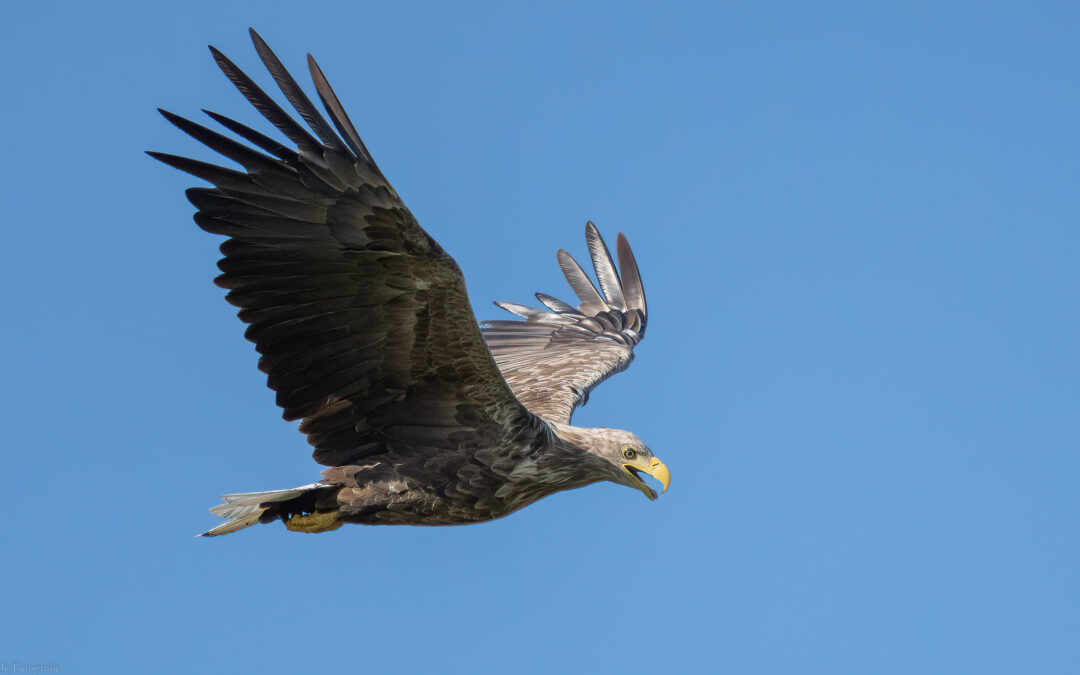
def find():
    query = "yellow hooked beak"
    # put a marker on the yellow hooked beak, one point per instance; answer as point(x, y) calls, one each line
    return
point(655, 468)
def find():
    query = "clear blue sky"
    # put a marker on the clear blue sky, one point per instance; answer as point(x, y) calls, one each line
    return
point(858, 228)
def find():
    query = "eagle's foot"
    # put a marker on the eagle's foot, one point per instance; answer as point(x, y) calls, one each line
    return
point(323, 521)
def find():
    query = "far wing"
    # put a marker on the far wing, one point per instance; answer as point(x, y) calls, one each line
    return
point(557, 355)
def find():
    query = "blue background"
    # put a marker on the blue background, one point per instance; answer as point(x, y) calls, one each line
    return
point(858, 228)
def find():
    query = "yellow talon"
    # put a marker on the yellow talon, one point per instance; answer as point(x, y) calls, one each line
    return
point(316, 522)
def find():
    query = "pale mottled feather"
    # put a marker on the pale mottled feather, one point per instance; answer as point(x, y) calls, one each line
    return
point(553, 359)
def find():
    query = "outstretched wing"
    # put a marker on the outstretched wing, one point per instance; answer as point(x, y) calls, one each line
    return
point(556, 356)
point(362, 320)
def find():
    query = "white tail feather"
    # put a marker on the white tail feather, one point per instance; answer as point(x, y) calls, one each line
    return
point(243, 509)
point(234, 525)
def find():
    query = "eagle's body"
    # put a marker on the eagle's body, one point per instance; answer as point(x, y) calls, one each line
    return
point(493, 483)
point(367, 336)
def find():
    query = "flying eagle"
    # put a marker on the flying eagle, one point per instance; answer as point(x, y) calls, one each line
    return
point(422, 415)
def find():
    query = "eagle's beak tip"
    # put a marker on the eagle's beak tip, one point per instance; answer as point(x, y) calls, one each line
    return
point(660, 472)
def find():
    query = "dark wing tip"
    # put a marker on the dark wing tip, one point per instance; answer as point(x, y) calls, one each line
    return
point(631, 276)
point(173, 118)
point(258, 41)
point(591, 301)
point(604, 267)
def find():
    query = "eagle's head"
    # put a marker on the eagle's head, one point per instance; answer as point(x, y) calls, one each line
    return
point(629, 458)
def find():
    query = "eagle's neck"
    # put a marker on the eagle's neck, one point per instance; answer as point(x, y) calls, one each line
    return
point(563, 463)
point(570, 437)
point(571, 451)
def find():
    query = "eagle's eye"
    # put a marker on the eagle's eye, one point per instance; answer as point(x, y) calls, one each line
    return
point(629, 452)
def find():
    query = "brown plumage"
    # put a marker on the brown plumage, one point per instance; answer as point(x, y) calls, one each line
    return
point(367, 336)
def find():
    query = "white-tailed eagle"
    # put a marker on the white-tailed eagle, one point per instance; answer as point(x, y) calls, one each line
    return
point(422, 415)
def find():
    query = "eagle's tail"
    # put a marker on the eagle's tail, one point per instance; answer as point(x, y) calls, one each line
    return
point(249, 508)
